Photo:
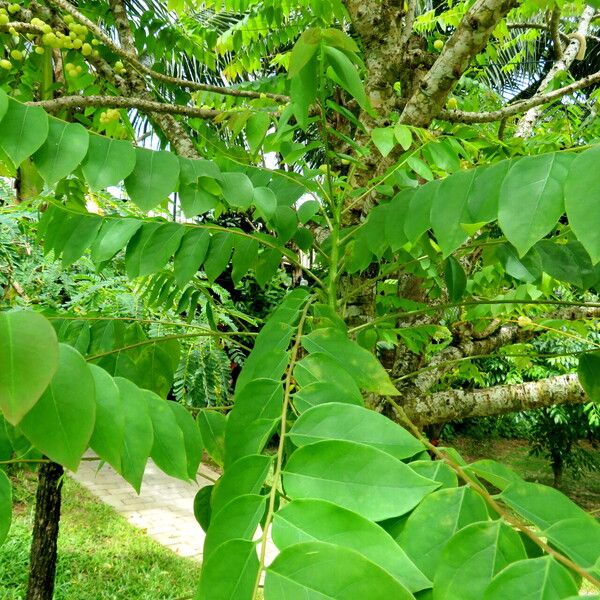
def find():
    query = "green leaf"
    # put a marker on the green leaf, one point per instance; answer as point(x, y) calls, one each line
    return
point(3, 104)
point(62, 152)
point(449, 210)
point(238, 190)
point(285, 222)
point(61, 422)
point(309, 520)
point(80, 238)
point(28, 361)
point(404, 135)
point(322, 392)
point(151, 247)
point(396, 219)
point(358, 477)
point(437, 470)
point(192, 439)
point(238, 519)
point(355, 424)
point(485, 192)
point(344, 73)
point(265, 200)
point(531, 199)
point(109, 429)
point(5, 499)
point(154, 177)
point(317, 570)
point(113, 237)
point(212, 428)
point(364, 368)
point(384, 139)
point(256, 129)
point(303, 51)
point(418, 219)
point(589, 374)
point(456, 279)
point(266, 266)
point(108, 162)
point(582, 187)
point(320, 368)
point(561, 521)
point(168, 448)
point(532, 579)
point(24, 129)
point(441, 515)
point(245, 476)
point(230, 572)
point(250, 424)
point(198, 186)
point(219, 253)
point(473, 556)
point(245, 256)
point(202, 508)
point(191, 254)
point(139, 436)
point(496, 473)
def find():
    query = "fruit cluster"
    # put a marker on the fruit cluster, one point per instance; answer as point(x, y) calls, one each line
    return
point(109, 116)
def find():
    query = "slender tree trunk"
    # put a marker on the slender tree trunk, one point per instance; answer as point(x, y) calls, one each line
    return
point(557, 470)
point(42, 562)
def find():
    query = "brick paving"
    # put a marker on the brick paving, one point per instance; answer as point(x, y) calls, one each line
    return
point(164, 507)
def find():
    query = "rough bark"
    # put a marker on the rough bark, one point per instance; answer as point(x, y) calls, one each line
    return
point(173, 130)
point(468, 40)
point(528, 120)
point(450, 405)
point(42, 562)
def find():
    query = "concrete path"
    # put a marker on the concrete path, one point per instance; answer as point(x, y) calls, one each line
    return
point(164, 508)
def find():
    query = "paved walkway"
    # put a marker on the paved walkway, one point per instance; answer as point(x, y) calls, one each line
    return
point(164, 507)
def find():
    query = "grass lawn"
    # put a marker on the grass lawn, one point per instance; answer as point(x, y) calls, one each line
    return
point(101, 556)
point(514, 453)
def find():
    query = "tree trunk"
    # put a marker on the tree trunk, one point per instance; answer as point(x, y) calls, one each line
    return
point(42, 562)
point(557, 470)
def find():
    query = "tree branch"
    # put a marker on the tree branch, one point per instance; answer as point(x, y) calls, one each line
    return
point(142, 104)
point(450, 405)
point(459, 116)
point(133, 60)
point(469, 39)
point(555, 33)
point(526, 123)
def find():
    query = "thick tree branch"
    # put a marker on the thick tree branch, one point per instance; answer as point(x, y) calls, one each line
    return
point(142, 104)
point(133, 60)
point(555, 33)
point(459, 116)
point(526, 123)
point(469, 39)
point(450, 405)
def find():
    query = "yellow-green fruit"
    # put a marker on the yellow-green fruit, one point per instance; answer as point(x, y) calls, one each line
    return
point(86, 49)
point(345, 161)
point(77, 43)
point(39, 50)
point(16, 54)
point(45, 27)
point(13, 32)
point(5, 64)
point(323, 168)
point(95, 53)
point(95, 42)
point(118, 65)
point(79, 69)
point(4, 19)
point(13, 8)
point(438, 45)
point(37, 22)
point(452, 103)
point(48, 39)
